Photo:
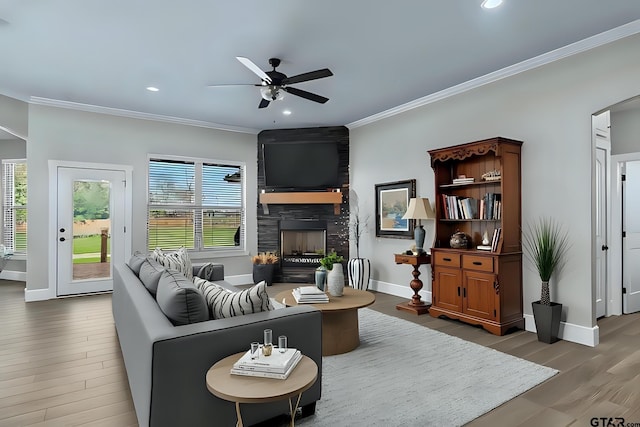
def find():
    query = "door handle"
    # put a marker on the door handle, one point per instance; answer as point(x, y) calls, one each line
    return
point(62, 230)
point(605, 247)
point(62, 239)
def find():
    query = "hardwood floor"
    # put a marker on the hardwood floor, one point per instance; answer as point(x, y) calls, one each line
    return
point(60, 365)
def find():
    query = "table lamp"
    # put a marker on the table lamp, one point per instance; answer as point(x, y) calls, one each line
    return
point(419, 208)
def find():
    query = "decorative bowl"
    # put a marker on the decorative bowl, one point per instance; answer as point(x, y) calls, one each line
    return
point(459, 240)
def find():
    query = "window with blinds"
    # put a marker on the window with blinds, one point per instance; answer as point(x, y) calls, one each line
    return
point(198, 204)
point(14, 205)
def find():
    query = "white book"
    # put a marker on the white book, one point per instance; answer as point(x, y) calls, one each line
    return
point(310, 298)
point(278, 362)
point(266, 374)
point(310, 290)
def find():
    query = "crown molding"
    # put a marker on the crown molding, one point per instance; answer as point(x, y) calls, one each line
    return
point(18, 135)
point(589, 43)
point(35, 100)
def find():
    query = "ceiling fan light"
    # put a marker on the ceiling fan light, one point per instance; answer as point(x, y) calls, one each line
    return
point(490, 4)
point(271, 93)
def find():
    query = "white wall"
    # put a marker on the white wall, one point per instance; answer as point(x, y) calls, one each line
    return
point(548, 108)
point(625, 131)
point(61, 134)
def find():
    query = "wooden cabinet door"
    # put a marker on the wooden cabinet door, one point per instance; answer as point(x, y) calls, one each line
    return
point(447, 288)
point(479, 295)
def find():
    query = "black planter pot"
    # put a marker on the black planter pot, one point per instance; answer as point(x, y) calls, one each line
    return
point(547, 318)
point(263, 272)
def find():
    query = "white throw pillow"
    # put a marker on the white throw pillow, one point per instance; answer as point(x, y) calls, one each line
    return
point(223, 303)
point(178, 260)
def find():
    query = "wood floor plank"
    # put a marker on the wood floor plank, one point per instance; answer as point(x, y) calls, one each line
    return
point(60, 364)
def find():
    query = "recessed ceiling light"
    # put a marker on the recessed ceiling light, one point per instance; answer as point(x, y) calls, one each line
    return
point(152, 89)
point(287, 112)
point(490, 4)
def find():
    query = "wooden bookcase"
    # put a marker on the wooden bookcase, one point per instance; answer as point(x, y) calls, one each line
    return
point(479, 287)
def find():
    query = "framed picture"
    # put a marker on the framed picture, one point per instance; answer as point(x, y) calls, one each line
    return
point(392, 200)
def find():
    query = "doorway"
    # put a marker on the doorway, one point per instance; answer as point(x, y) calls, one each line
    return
point(91, 220)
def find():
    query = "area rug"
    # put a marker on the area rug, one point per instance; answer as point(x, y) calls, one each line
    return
point(404, 374)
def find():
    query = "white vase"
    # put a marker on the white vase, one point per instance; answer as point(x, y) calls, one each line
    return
point(335, 280)
point(359, 272)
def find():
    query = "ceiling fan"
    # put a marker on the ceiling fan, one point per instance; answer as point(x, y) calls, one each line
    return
point(274, 83)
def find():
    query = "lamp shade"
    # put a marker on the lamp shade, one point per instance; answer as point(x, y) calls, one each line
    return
point(419, 208)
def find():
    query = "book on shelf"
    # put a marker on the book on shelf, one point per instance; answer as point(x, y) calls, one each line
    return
point(309, 297)
point(483, 247)
point(460, 207)
point(496, 238)
point(266, 374)
point(491, 206)
point(277, 363)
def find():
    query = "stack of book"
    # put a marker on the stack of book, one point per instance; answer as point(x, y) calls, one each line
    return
point(278, 365)
point(309, 295)
point(462, 180)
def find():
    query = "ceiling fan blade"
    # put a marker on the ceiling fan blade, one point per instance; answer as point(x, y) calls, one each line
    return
point(306, 95)
point(253, 67)
point(263, 103)
point(305, 77)
point(233, 84)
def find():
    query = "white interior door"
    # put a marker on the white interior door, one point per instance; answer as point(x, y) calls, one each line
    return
point(601, 233)
point(90, 228)
point(602, 138)
point(631, 237)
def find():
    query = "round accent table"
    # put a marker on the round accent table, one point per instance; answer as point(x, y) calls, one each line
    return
point(245, 389)
point(340, 330)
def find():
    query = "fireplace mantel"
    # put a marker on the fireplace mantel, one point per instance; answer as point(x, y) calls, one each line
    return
point(306, 198)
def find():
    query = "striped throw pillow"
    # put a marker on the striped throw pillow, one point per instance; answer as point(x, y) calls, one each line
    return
point(178, 260)
point(223, 304)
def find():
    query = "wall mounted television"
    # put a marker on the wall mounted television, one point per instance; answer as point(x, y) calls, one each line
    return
point(301, 165)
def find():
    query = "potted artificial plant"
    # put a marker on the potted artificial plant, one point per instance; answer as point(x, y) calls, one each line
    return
point(358, 269)
point(263, 265)
point(546, 244)
point(332, 262)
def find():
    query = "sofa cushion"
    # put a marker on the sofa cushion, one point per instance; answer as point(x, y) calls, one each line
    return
point(178, 260)
point(180, 300)
point(135, 262)
point(223, 304)
point(149, 275)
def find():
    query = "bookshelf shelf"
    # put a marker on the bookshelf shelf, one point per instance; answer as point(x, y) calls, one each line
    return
point(480, 287)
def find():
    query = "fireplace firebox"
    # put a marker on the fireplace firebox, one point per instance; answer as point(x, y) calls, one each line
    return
point(302, 242)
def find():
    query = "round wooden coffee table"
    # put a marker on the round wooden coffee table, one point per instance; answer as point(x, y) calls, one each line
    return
point(245, 389)
point(340, 330)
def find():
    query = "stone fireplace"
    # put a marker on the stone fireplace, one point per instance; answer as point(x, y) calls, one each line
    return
point(302, 225)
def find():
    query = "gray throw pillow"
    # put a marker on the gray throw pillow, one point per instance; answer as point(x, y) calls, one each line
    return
point(135, 262)
point(180, 300)
point(210, 271)
point(223, 303)
point(150, 272)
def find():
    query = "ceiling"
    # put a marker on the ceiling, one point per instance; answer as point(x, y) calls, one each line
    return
point(382, 54)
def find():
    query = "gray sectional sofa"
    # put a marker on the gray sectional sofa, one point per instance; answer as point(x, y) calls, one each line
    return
point(166, 364)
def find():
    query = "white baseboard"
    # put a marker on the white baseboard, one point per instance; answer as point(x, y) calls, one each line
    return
point(569, 332)
point(403, 291)
point(20, 276)
point(31, 295)
point(240, 279)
